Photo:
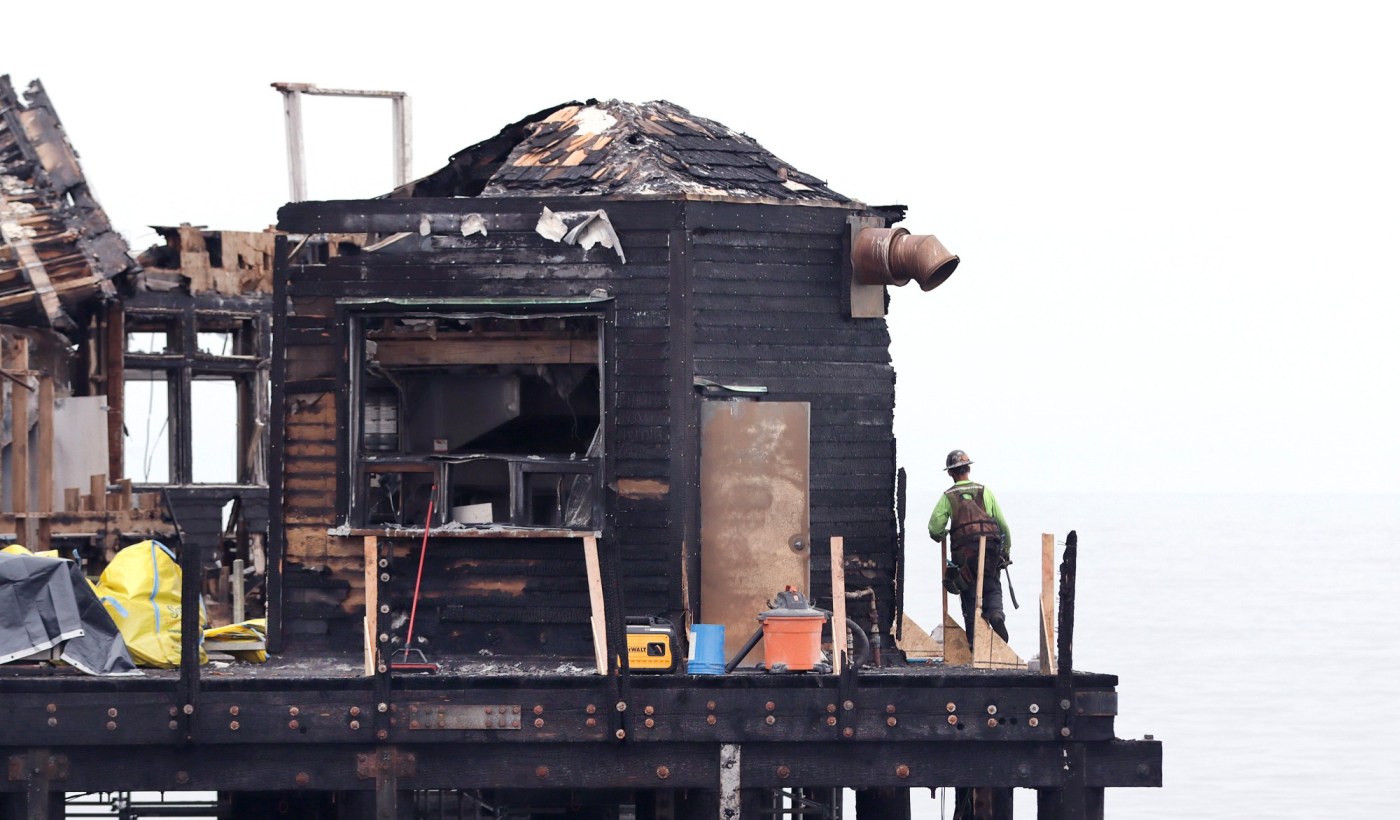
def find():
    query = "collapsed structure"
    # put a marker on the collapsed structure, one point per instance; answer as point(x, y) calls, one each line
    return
point(617, 361)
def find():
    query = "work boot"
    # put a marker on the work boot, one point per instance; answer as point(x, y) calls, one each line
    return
point(998, 623)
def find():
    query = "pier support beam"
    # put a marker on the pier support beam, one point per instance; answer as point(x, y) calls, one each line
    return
point(882, 804)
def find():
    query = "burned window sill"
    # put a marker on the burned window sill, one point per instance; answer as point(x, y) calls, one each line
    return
point(497, 531)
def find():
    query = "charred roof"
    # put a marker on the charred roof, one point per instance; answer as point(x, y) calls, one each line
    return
point(57, 248)
point(621, 149)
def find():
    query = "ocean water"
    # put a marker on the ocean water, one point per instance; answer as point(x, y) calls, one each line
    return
point(1255, 636)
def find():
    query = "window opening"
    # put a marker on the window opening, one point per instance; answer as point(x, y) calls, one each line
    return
point(214, 427)
point(146, 454)
point(503, 413)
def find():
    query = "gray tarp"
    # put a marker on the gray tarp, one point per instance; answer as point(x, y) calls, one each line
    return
point(45, 602)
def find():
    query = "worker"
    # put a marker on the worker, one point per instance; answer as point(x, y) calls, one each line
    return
point(973, 513)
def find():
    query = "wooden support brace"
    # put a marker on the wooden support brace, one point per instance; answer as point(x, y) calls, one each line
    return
point(1047, 604)
point(838, 603)
point(595, 602)
point(981, 635)
point(371, 550)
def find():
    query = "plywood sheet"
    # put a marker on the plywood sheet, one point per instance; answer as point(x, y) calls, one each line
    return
point(754, 530)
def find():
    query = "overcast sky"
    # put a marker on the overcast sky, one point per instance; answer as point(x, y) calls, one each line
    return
point(1177, 221)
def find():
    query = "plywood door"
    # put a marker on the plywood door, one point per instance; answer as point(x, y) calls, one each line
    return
point(754, 529)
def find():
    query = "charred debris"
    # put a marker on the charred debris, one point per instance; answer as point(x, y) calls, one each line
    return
point(617, 364)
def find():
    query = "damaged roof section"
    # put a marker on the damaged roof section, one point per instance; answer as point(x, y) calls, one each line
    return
point(57, 248)
point(622, 150)
point(196, 260)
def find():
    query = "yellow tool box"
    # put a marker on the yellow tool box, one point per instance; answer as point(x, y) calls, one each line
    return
point(651, 644)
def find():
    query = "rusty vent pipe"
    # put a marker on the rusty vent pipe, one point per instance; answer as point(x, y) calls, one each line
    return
point(893, 256)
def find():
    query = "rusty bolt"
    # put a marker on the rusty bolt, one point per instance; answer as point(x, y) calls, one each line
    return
point(590, 708)
point(384, 562)
point(173, 725)
point(382, 734)
point(539, 723)
point(1033, 722)
point(539, 710)
point(620, 734)
point(591, 722)
point(413, 724)
point(991, 723)
point(1064, 732)
point(303, 778)
point(848, 732)
point(889, 709)
point(354, 725)
point(53, 721)
point(384, 608)
point(53, 707)
point(650, 710)
point(173, 710)
point(384, 576)
point(952, 720)
point(992, 710)
point(831, 721)
point(710, 719)
point(233, 710)
point(1035, 708)
point(891, 722)
point(901, 771)
point(188, 708)
point(622, 706)
point(1064, 704)
point(182, 778)
point(770, 720)
point(354, 711)
point(490, 710)
point(383, 668)
point(663, 772)
point(515, 710)
point(848, 705)
point(710, 705)
point(383, 707)
point(293, 711)
point(831, 707)
point(650, 724)
point(542, 772)
point(111, 725)
point(770, 706)
point(784, 772)
point(951, 707)
point(112, 712)
point(233, 725)
point(293, 724)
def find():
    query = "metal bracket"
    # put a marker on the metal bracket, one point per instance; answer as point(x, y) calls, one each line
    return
point(50, 767)
point(385, 763)
point(1095, 703)
point(441, 716)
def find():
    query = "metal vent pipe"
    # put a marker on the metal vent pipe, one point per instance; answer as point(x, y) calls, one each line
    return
point(893, 256)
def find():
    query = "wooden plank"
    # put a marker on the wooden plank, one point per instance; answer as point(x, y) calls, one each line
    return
point(1047, 604)
point(981, 645)
point(371, 572)
point(942, 565)
point(398, 352)
point(44, 485)
point(595, 601)
point(72, 497)
point(838, 603)
point(18, 359)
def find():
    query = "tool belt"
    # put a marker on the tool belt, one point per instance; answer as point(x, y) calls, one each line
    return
point(960, 574)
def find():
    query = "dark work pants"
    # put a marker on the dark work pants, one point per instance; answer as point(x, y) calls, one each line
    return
point(991, 598)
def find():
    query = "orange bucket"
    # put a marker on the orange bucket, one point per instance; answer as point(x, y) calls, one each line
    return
point(792, 641)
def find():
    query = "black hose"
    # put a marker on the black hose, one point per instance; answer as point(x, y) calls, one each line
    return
point(744, 653)
point(862, 641)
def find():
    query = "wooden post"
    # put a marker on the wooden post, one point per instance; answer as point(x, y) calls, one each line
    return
point(371, 601)
point(982, 638)
point(19, 439)
point(238, 591)
point(72, 497)
point(942, 568)
point(113, 368)
point(44, 484)
point(1047, 604)
point(595, 602)
point(838, 603)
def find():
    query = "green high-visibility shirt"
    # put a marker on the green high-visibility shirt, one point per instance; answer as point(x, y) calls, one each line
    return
point(944, 508)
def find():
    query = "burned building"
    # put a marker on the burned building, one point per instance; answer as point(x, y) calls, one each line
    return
point(618, 361)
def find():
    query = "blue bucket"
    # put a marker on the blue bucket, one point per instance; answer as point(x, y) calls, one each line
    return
point(706, 650)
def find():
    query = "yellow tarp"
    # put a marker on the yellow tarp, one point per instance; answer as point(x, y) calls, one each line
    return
point(141, 591)
point(252, 631)
point(20, 549)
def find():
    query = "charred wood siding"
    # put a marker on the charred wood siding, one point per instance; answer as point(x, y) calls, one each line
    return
point(506, 595)
point(768, 309)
